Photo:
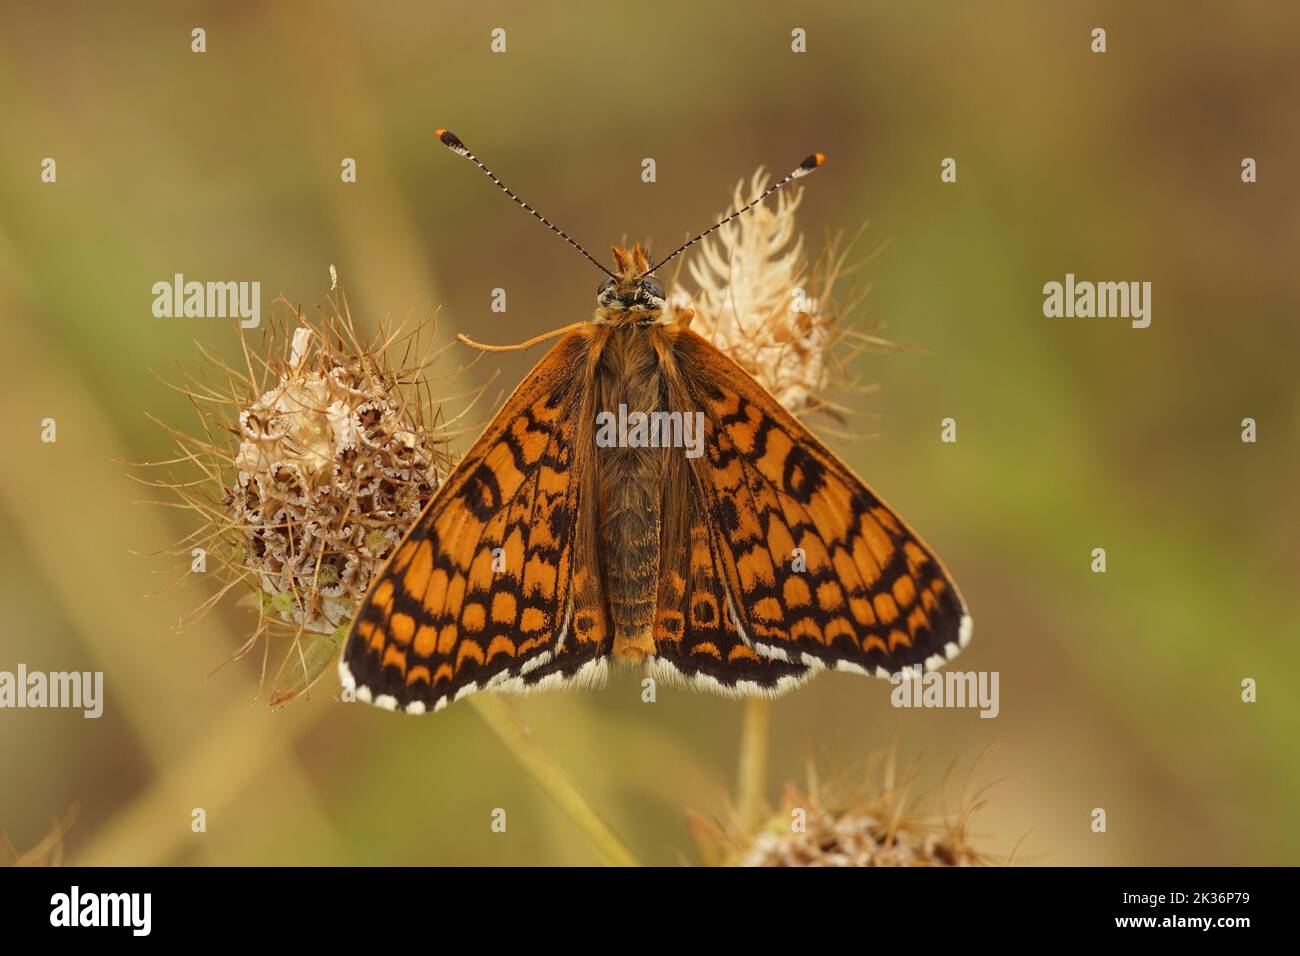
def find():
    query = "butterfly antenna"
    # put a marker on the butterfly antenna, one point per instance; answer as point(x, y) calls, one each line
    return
point(453, 143)
point(803, 169)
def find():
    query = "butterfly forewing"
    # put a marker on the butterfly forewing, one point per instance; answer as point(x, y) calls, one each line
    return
point(480, 594)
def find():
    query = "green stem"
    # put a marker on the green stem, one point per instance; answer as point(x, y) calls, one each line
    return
point(754, 731)
point(551, 777)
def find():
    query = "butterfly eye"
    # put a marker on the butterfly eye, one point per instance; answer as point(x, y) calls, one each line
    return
point(606, 293)
point(651, 289)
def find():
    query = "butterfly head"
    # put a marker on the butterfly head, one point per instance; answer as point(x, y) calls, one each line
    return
point(630, 295)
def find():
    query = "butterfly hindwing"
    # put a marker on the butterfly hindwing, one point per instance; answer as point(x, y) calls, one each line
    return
point(696, 635)
point(479, 595)
point(824, 572)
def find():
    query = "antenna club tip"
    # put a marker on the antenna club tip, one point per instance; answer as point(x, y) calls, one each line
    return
point(808, 165)
point(451, 141)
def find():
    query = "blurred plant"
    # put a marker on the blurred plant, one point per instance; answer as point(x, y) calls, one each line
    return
point(312, 462)
point(48, 852)
point(849, 823)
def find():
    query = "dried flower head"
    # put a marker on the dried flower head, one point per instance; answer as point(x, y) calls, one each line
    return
point(851, 823)
point(759, 300)
point(314, 461)
point(330, 473)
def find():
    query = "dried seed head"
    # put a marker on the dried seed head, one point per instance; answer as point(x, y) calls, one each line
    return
point(856, 823)
point(331, 456)
point(753, 301)
point(329, 475)
point(857, 835)
point(759, 300)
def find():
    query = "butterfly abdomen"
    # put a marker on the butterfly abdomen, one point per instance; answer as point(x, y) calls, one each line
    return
point(630, 475)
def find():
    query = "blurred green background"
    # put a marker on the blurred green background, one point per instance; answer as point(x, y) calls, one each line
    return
point(1119, 691)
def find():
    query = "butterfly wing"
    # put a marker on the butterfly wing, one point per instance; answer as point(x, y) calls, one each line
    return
point(822, 572)
point(697, 640)
point(480, 595)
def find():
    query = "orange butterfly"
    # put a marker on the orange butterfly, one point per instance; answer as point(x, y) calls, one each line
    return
point(741, 565)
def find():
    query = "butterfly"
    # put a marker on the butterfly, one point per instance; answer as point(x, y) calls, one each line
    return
point(739, 556)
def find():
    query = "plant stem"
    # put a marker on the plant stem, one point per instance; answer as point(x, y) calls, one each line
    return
point(550, 776)
point(755, 723)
